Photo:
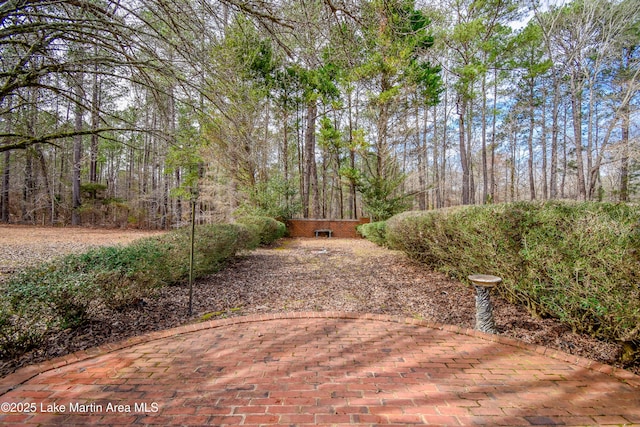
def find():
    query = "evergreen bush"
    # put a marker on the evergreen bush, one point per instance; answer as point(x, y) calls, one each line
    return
point(578, 262)
point(61, 294)
point(266, 228)
point(374, 231)
point(214, 244)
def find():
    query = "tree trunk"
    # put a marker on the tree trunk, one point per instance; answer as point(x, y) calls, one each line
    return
point(381, 142)
point(340, 189)
point(77, 155)
point(62, 175)
point(302, 167)
point(352, 164)
point(285, 157)
point(565, 163)
point(625, 127)
point(469, 153)
point(445, 141)
point(589, 182)
point(324, 198)
point(624, 161)
point(436, 160)
point(6, 181)
point(512, 169)
point(145, 157)
point(130, 167)
point(178, 178)
point(493, 136)
point(555, 130)
point(576, 110)
point(532, 184)
point(485, 172)
point(77, 164)
point(171, 126)
point(336, 174)
point(543, 146)
point(164, 219)
point(311, 172)
point(45, 177)
point(29, 188)
point(422, 169)
point(95, 123)
point(6, 173)
point(429, 196)
point(463, 151)
point(29, 191)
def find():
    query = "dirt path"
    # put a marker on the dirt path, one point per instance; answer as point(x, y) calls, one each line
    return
point(317, 275)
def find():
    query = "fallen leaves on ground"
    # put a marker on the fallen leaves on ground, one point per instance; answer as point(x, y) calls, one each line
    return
point(23, 246)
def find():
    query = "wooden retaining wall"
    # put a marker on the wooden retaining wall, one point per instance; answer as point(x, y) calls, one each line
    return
point(340, 228)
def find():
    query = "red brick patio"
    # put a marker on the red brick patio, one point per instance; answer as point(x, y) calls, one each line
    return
point(320, 369)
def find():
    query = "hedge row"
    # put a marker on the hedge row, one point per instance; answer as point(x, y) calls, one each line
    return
point(63, 293)
point(578, 262)
point(265, 228)
point(374, 231)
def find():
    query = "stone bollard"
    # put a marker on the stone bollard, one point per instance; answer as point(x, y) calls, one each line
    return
point(484, 316)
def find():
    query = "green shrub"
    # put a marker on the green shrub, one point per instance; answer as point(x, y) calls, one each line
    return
point(578, 262)
point(375, 232)
point(40, 299)
point(61, 294)
point(19, 332)
point(214, 244)
point(458, 242)
point(122, 275)
point(581, 265)
point(267, 229)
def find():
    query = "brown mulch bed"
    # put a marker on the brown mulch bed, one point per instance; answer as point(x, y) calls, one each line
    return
point(318, 275)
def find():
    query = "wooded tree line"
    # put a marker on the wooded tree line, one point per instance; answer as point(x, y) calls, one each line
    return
point(120, 112)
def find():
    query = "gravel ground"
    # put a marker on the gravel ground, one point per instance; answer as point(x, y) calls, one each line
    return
point(318, 274)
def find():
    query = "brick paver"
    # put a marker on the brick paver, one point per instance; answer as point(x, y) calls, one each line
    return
point(320, 369)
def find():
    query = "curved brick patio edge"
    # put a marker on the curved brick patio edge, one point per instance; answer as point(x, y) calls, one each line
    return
point(23, 375)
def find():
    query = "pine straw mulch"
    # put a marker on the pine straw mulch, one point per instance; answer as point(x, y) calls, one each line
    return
point(318, 275)
point(25, 245)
